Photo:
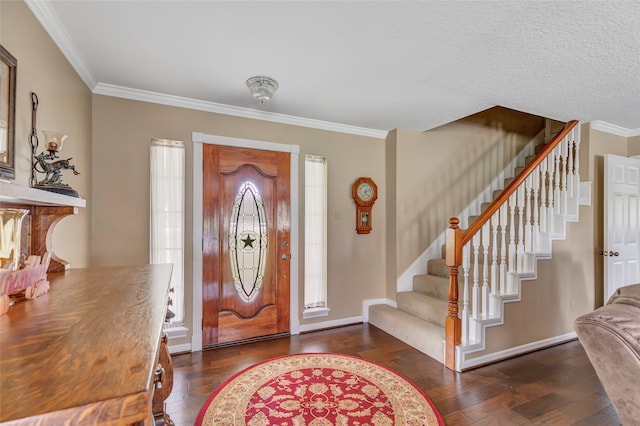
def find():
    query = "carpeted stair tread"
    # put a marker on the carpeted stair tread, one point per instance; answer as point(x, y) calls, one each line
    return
point(422, 306)
point(432, 285)
point(426, 337)
point(438, 267)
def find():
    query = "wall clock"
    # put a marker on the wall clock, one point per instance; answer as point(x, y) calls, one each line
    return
point(365, 193)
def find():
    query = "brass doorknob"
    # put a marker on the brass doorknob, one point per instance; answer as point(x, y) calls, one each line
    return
point(286, 257)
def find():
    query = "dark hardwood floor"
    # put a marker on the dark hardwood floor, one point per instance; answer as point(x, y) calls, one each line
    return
point(554, 386)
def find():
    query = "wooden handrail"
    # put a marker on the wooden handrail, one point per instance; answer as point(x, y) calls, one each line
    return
point(484, 217)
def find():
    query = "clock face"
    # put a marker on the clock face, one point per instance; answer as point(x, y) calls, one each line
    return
point(365, 191)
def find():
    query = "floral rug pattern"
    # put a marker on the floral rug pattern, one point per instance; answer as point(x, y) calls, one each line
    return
point(318, 390)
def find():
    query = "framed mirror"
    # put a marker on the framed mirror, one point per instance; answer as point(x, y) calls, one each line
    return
point(8, 68)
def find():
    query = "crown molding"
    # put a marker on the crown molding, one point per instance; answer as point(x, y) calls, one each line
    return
point(178, 101)
point(614, 130)
point(50, 22)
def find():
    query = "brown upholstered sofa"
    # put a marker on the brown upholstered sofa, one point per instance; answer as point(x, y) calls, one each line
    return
point(611, 337)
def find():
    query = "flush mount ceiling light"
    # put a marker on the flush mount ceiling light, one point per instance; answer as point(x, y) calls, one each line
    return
point(262, 88)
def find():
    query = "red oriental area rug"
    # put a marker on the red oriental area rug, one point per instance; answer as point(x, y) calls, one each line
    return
point(318, 390)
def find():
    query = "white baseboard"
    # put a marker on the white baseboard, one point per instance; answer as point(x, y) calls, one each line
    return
point(330, 324)
point(176, 332)
point(177, 349)
point(512, 352)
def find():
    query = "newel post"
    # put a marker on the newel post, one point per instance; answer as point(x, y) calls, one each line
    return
point(453, 325)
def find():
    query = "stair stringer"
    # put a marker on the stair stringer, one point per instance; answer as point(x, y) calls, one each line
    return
point(434, 251)
point(479, 326)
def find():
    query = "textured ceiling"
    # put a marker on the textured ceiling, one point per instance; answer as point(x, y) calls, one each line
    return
point(374, 65)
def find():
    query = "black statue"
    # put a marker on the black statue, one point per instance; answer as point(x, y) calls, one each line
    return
point(46, 163)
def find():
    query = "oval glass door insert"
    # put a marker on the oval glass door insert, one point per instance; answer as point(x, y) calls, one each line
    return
point(248, 242)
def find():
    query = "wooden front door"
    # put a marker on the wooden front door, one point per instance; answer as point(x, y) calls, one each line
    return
point(246, 247)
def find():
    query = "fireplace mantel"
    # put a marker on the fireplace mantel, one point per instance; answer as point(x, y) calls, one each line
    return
point(46, 209)
point(16, 194)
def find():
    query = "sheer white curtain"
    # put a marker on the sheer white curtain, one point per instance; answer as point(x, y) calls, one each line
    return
point(167, 216)
point(315, 240)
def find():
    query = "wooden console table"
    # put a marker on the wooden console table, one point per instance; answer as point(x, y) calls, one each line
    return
point(86, 353)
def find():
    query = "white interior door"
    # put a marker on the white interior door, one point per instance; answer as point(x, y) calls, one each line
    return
point(622, 219)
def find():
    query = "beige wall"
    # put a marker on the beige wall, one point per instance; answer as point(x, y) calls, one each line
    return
point(392, 210)
point(634, 145)
point(64, 105)
point(441, 171)
point(122, 132)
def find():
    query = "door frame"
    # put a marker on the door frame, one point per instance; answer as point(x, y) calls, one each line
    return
point(198, 140)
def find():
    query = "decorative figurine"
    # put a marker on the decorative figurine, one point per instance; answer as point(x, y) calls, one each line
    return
point(48, 162)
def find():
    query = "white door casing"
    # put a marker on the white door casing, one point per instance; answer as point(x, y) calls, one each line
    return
point(621, 249)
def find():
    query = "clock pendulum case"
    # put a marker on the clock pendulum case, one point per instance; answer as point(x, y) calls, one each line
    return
point(365, 193)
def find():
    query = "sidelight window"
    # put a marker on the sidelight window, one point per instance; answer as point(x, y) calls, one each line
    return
point(167, 218)
point(315, 237)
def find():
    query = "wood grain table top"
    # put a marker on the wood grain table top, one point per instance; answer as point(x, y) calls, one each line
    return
point(85, 352)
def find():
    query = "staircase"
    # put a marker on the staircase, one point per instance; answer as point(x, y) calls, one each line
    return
point(508, 239)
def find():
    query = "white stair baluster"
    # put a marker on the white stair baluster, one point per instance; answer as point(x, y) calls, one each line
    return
point(512, 242)
point(550, 192)
point(503, 248)
point(556, 180)
point(528, 214)
point(571, 175)
point(465, 294)
point(543, 196)
point(520, 235)
point(535, 228)
point(495, 222)
point(486, 234)
point(475, 292)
